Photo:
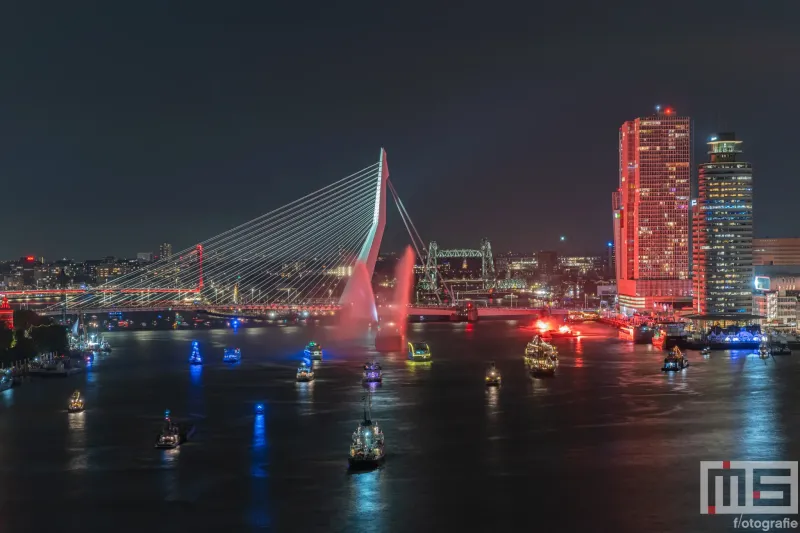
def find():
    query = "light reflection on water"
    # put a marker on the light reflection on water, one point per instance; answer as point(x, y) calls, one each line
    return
point(76, 443)
point(7, 397)
point(259, 497)
point(367, 503)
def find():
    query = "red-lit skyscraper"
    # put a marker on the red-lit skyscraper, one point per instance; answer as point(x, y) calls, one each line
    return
point(651, 212)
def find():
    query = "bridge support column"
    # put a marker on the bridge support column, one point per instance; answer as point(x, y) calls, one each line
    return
point(358, 300)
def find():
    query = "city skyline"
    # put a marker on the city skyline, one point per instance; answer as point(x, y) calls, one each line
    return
point(197, 131)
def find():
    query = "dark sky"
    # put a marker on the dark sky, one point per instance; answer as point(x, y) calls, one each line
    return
point(124, 124)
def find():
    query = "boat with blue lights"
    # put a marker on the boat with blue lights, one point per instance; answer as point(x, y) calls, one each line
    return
point(493, 377)
point(372, 372)
point(194, 357)
point(76, 403)
point(6, 381)
point(419, 352)
point(367, 449)
point(313, 350)
point(172, 433)
point(232, 355)
point(675, 361)
point(305, 372)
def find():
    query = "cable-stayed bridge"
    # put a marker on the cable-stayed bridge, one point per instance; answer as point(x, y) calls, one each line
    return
point(315, 254)
point(308, 254)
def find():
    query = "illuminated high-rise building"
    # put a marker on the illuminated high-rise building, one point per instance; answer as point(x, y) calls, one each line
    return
point(651, 212)
point(722, 241)
point(165, 251)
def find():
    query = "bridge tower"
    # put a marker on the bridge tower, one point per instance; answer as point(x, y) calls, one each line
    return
point(487, 264)
point(355, 291)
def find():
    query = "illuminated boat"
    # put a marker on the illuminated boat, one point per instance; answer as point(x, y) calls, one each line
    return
point(541, 357)
point(563, 331)
point(763, 350)
point(659, 339)
point(232, 355)
point(372, 373)
point(419, 352)
point(706, 351)
point(76, 403)
point(675, 361)
point(173, 434)
point(313, 351)
point(195, 358)
point(105, 347)
point(367, 447)
point(305, 372)
point(493, 377)
point(6, 381)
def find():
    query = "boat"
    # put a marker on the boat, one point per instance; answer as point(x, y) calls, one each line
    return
point(780, 347)
point(6, 381)
point(493, 377)
point(305, 372)
point(675, 361)
point(563, 331)
point(53, 366)
point(541, 357)
point(313, 351)
point(372, 373)
point(232, 355)
point(659, 339)
point(259, 408)
point(105, 347)
point(419, 352)
point(195, 358)
point(706, 351)
point(763, 350)
point(173, 434)
point(367, 449)
point(76, 403)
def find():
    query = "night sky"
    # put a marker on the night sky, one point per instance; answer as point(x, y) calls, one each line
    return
point(125, 124)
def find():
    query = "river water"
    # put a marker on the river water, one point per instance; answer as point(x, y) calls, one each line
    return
point(610, 444)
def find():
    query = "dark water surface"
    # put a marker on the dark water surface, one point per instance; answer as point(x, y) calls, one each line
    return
point(610, 444)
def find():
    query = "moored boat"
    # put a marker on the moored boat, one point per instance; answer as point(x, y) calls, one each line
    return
point(6, 380)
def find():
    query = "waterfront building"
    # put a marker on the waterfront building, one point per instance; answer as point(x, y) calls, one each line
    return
point(722, 241)
point(6, 314)
point(651, 212)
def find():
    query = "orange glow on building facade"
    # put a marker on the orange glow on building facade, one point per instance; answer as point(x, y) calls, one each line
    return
point(651, 212)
